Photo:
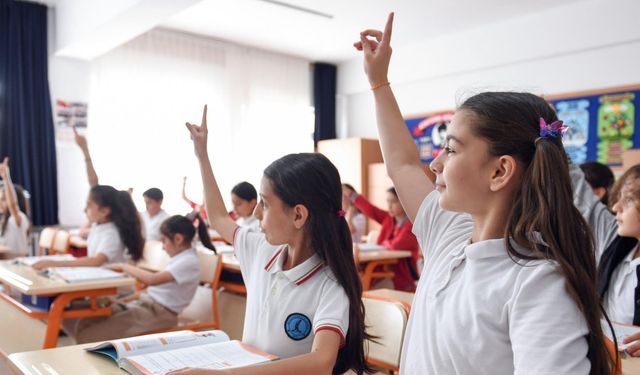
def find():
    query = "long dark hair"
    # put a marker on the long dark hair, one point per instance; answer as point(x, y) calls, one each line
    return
point(178, 224)
point(203, 231)
point(123, 214)
point(509, 123)
point(314, 182)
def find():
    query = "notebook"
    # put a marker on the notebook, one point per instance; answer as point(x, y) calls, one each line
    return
point(164, 352)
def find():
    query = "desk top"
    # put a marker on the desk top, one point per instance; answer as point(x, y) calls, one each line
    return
point(27, 280)
point(370, 256)
point(57, 361)
point(4, 249)
point(391, 293)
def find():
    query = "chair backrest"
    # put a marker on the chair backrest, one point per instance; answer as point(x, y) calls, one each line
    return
point(615, 356)
point(46, 239)
point(372, 237)
point(61, 242)
point(202, 312)
point(154, 257)
point(386, 319)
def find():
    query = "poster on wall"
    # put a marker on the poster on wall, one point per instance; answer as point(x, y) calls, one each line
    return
point(70, 115)
point(429, 133)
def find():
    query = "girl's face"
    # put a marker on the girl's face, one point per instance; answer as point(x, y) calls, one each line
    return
point(96, 213)
point(463, 169)
point(276, 219)
point(241, 207)
point(395, 208)
point(627, 215)
point(173, 245)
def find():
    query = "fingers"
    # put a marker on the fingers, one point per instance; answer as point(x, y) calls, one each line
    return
point(204, 117)
point(374, 33)
point(386, 36)
point(5, 162)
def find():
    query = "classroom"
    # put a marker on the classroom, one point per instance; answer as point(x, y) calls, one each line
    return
point(339, 187)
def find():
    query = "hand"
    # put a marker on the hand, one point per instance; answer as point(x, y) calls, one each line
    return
point(4, 169)
point(40, 265)
point(377, 53)
point(118, 267)
point(634, 349)
point(81, 140)
point(199, 135)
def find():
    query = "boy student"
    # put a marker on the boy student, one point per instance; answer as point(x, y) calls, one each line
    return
point(154, 215)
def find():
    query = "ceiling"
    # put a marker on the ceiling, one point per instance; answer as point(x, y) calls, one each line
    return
point(272, 26)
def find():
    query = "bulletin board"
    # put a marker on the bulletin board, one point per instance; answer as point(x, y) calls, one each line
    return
point(602, 124)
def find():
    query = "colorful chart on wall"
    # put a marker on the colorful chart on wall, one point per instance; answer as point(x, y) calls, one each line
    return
point(429, 133)
point(601, 126)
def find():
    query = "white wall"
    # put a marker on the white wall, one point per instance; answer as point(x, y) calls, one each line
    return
point(564, 49)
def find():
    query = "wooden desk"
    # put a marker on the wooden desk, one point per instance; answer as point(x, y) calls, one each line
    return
point(631, 366)
point(68, 360)
point(373, 259)
point(27, 280)
point(4, 249)
point(405, 297)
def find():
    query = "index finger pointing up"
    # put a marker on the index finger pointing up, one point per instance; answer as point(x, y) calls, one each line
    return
point(204, 117)
point(386, 36)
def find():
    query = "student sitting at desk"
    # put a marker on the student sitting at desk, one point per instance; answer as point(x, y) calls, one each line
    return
point(169, 292)
point(154, 215)
point(14, 224)
point(116, 231)
point(395, 234)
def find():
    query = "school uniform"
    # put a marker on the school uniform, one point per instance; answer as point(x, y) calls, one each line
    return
point(478, 311)
point(15, 237)
point(285, 309)
point(618, 272)
point(251, 222)
point(157, 308)
point(395, 236)
point(152, 224)
point(105, 239)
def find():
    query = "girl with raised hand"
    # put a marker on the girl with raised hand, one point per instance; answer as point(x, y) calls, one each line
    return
point(14, 224)
point(509, 280)
point(303, 291)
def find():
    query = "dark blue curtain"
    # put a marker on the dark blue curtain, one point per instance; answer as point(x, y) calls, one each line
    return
point(26, 123)
point(324, 101)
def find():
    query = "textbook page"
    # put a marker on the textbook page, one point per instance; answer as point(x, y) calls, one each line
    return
point(622, 331)
point(212, 356)
point(158, 342)
point(30, 261)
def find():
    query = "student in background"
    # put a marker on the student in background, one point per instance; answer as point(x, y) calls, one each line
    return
point(116, 231)
point(600, 177)
point(355, 219)
point(169, 291)
point(14, 223)
point(303, 290)
point(395, 234)
point(509, 280)
point(244, 199)
point(199, 208)
point(154, 215)
point(616, 237)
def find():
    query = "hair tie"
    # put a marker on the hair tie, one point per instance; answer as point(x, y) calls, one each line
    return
point(341, 213)
point(553, 130)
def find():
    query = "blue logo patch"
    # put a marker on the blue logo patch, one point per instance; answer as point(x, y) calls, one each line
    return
point(297, 326)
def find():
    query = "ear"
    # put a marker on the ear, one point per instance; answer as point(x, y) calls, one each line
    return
point(504, 171)
point(178, 239)
point(106, 211)
point(300, 216)
point(600, 192)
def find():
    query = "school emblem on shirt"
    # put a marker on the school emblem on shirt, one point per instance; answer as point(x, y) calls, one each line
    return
point(297, 326)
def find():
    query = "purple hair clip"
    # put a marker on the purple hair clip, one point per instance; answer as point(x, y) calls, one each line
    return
point(552, 130)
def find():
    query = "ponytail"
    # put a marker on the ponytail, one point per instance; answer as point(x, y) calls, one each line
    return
point(543, 208)
point(124, 215)
point(203, 231)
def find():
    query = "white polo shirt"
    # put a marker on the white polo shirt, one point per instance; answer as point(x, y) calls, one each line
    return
point(478, 312)
point(152, 224)
point(105, 239)
point(619, 302)
point(286, 308)
point(177, 295)
point(15, 237)
point(251, 222)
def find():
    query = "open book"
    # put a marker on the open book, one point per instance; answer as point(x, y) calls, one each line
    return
point(370, 247)
point(30, 261)
point(621, 331)
point(84, 274)
point(164, 352)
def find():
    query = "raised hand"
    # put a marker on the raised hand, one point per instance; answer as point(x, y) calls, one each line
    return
point(4, 168)
point(377, 52)
point(199, 135)
point(81, 140)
